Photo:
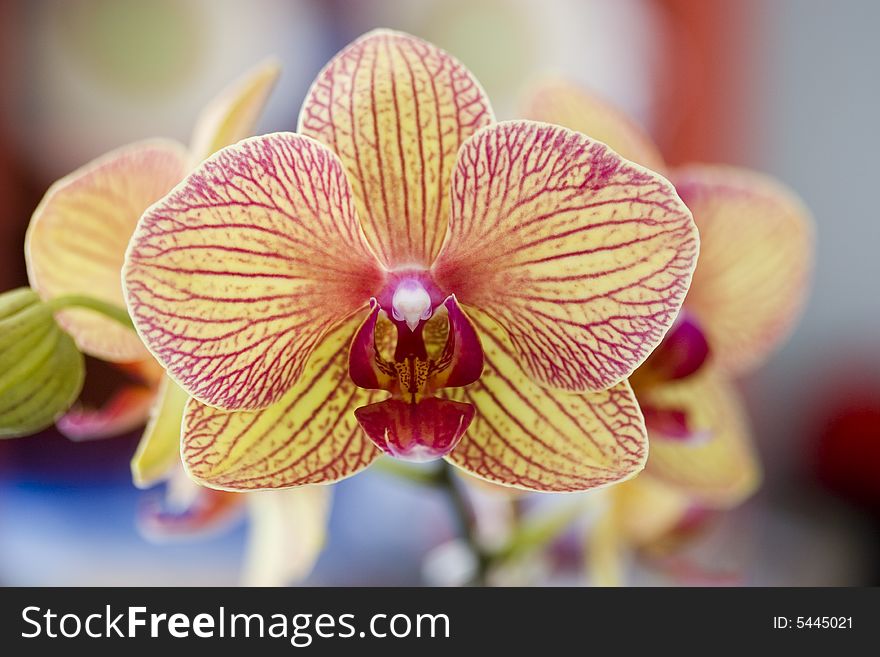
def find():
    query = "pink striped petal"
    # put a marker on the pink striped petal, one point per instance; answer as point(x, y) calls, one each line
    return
point(77, 237)
point(755, 264)
point(128, 409)
point(236, 276)
point(584, 258)
point(534, 438)
point(309, 436)
point(396, 110)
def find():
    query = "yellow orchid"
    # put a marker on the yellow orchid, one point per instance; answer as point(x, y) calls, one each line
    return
point(755, 260)
point(75, 246)
point(405, 275)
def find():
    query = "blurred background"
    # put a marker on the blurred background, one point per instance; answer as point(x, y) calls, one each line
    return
point(787, 87)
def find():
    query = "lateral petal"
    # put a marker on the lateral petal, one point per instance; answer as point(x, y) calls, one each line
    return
point(77, 237)
point(583, 257)
point(236, 276)
point(309, 436)
point(529, 437)
point(396, 109)
point(755, 263)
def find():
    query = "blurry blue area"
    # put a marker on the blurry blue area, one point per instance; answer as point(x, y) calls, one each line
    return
point(380, 529)
point(81, 534)
point(68, 517)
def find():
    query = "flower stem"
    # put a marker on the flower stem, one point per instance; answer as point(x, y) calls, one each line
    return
point(107, 309)
point(442, 479)
point(464, 514)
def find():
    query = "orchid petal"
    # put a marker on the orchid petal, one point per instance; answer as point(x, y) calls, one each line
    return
point(236, 276)
point(126, 410)
point(756, 257)
point(396, 110)
point(41, 370)
point(78, 234)
point(533, 438)
point(309, 436)
point(286, 536)
point(720, 469)
point(231, 116)
point(584, 258)
point(159, 448)
point(567, 104)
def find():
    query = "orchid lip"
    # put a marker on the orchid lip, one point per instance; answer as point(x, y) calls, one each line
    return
point(437, 347)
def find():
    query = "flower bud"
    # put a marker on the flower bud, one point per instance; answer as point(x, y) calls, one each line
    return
point(41, 370)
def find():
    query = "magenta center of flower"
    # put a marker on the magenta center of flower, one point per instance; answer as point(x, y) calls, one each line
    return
point(415, 341)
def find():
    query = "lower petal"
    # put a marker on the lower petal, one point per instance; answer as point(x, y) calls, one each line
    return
point(309, 436)
point(422, 431)
point(721, 469)
point(287, 533)
point(530, 437)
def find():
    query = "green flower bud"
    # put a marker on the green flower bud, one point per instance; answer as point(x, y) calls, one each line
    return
point(41, 370)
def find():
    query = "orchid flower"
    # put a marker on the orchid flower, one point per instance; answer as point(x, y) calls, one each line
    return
point(406, 276)
point(755, 259)
point(75, 246)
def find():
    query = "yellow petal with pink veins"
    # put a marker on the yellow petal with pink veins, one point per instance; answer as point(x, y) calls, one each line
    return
point(231, 116)
point(234, 278)
point(309, 436)
point(584, 258)
point(533, 438)
point(719, 468)
point(159, 448)
point(755, 260)
point(396, 110)
point(567, 104)
point(286, 534)
point(78, 234)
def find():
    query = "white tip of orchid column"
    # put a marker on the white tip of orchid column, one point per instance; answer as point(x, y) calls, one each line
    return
point(411, 303)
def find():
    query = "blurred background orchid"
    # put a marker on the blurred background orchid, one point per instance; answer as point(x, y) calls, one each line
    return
point(737, 82)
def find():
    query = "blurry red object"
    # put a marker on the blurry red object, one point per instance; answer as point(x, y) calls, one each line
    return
point(847, 454)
